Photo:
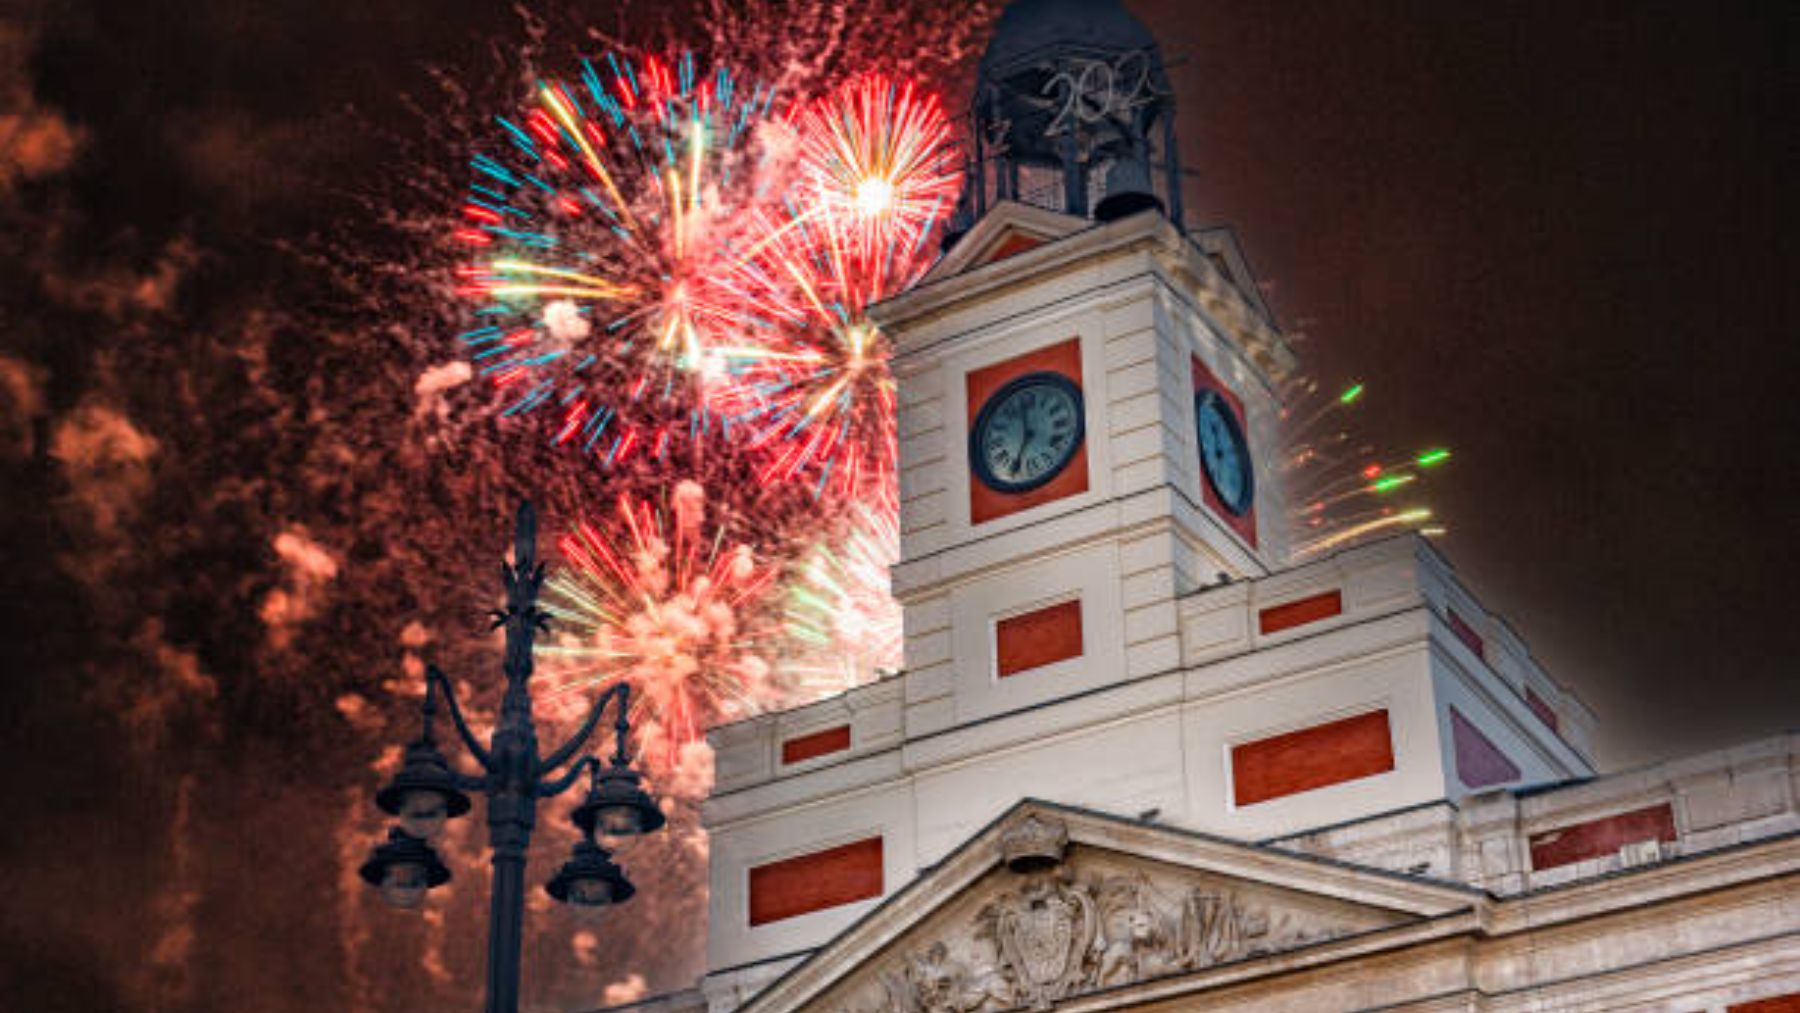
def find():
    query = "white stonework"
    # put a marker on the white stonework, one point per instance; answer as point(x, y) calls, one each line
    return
point(1431, 908)
point(1408, 886)
point(1155, 742)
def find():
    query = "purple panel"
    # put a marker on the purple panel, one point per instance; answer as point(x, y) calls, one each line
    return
point(1479, 762)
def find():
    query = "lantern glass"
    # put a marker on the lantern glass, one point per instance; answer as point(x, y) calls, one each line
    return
point(620, 821)
point(590, 892)
point(423, 812)
point(403, 884)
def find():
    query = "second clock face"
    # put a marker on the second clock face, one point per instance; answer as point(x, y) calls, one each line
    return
point(1224, 455)
point(1027, 432)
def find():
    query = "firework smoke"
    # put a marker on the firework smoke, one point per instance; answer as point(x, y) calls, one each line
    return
point(267, 515)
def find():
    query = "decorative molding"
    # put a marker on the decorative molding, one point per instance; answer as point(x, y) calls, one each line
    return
point(1034, 843)
point(1099, 920)
point(942, 904)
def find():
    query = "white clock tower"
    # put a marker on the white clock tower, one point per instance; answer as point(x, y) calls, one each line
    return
point(1100, 611)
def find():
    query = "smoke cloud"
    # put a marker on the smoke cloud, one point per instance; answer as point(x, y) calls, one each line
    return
point(308, 569)
point(21, 406)
point(107, 462)
point(35, 140)
point(254, 487)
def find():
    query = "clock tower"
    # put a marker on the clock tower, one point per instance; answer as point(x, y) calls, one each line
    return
point(1088, 434)
point(1100, 610)
point(1087, 390)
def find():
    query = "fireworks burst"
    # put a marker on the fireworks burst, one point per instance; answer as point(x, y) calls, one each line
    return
point(638, 275)
point(603, 238)
point(1348, 531)
point(666, 264)
point(408, 437)
point(878, 178)
point(839, 609)
point(664, 600)
point(824, 409)
point(822, 404)
point(1344, 490)
point(877, 157)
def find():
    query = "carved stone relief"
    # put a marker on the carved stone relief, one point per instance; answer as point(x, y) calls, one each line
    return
point(1098, 921)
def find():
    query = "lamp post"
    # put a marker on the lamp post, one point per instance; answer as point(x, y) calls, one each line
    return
point(515, 776)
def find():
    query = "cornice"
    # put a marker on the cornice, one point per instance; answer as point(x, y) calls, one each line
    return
point(1174, 255)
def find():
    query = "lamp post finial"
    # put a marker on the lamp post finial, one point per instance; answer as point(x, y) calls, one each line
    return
point(525, 536)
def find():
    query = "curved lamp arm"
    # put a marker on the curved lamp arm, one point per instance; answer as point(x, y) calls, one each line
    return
point(622, 690)
point(456, 717)
point(551, 789)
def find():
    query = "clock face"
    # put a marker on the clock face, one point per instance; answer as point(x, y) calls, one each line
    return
point(1027, 432)
point(1224, 455)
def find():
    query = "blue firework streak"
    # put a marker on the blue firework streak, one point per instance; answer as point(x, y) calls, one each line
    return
point(605, 229)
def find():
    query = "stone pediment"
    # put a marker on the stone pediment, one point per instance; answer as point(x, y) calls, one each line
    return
point(1011, 228)
point(1014, 920)
point(1101, 920)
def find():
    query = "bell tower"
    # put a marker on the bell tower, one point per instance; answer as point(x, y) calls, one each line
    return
point(1087, 396)
point(1072, 112)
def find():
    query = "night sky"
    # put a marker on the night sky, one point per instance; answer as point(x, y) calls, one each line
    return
point(1551, 236)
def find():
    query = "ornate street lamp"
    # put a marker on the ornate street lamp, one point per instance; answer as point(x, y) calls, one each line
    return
point(428, 791)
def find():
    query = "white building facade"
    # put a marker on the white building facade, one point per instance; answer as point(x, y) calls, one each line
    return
point(1139, 760)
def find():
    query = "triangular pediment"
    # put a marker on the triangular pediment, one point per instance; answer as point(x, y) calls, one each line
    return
point(1112, 904)
point(1005, 232)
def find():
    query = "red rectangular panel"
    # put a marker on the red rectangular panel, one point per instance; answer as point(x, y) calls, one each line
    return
point(1603, 836)
point(808, 883)
point(1310, 758)
point(1063, 358)
point(1540, 708)
point(1789, 1003)
point(816, 744)
point(1038, 638)
point(1466, 633)
point(1479, 762)
point(1276, 618)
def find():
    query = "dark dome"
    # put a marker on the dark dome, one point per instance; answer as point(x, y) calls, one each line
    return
point(1028, 27)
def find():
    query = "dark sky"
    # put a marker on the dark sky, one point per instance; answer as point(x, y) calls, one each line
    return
point(1551, 236)
point(1556, 238)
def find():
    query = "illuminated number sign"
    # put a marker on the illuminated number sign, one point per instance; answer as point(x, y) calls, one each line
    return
point(1088, 91)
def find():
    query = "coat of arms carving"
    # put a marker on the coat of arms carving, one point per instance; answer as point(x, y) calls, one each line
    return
point(1043, 933)
point(1089, 924)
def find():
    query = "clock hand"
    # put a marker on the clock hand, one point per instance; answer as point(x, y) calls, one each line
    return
point(1019, 458)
